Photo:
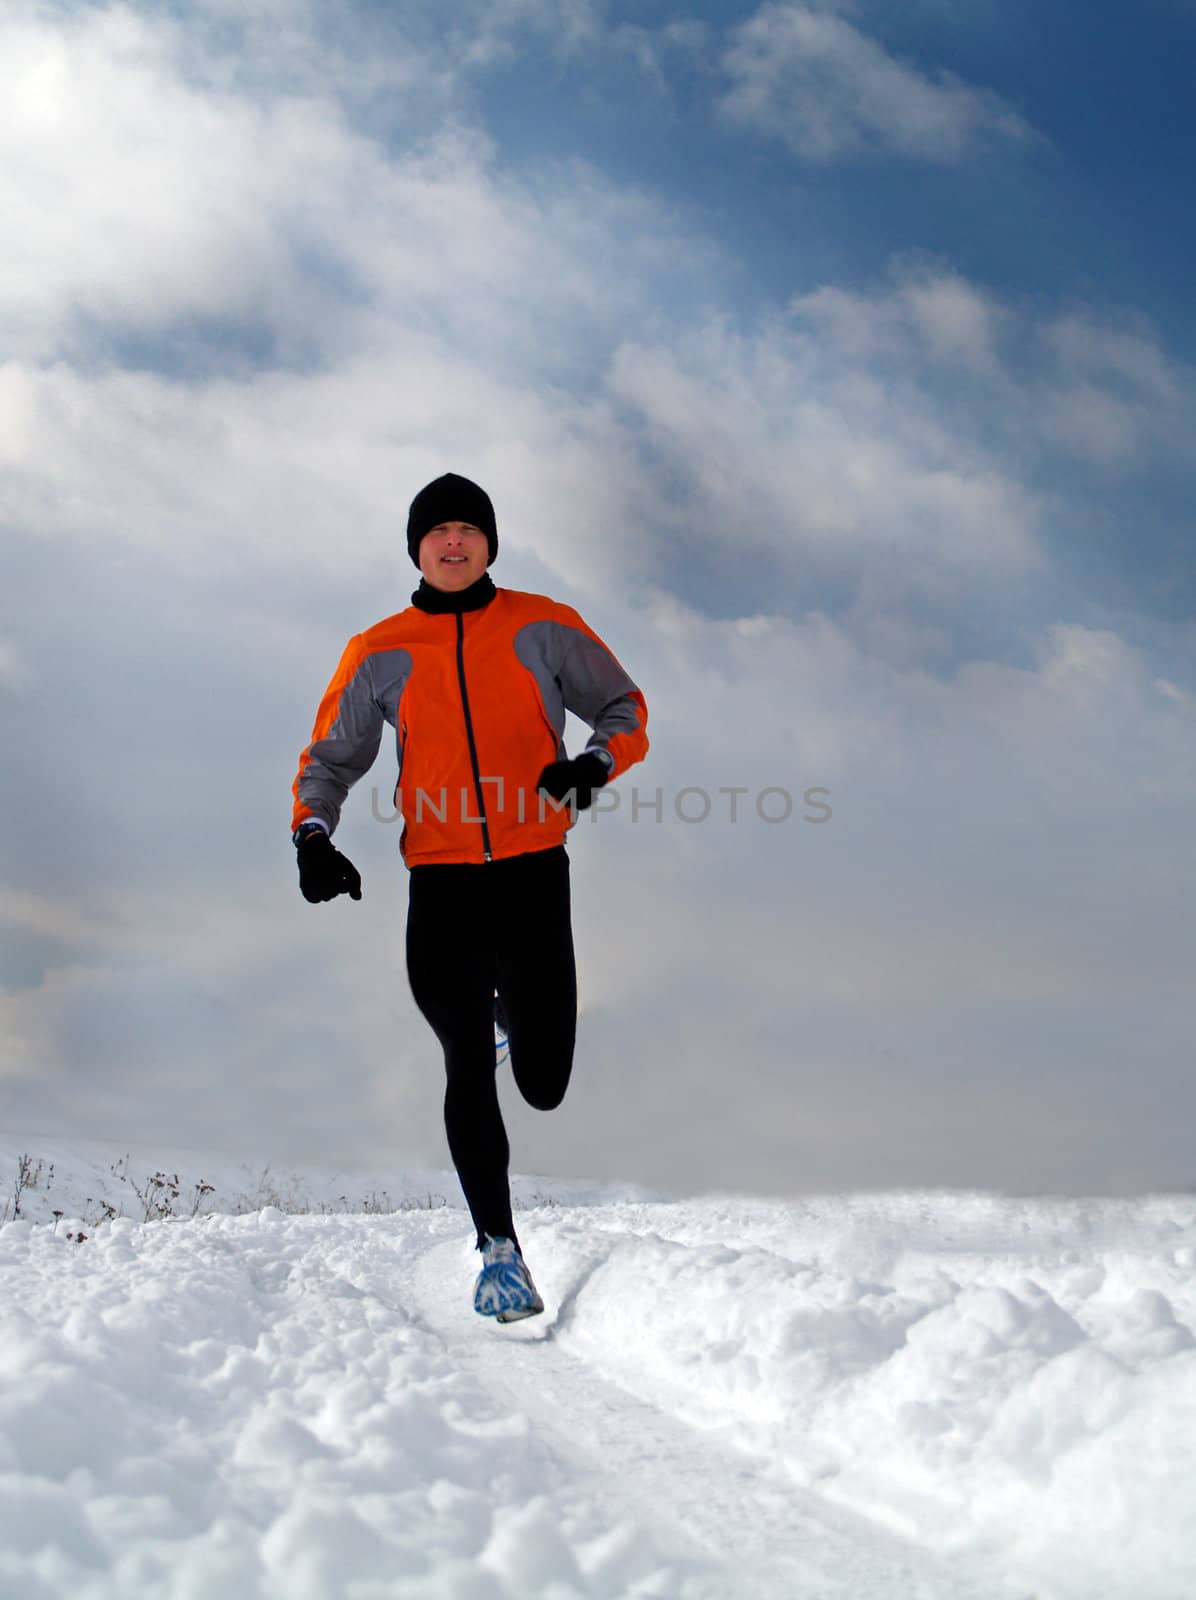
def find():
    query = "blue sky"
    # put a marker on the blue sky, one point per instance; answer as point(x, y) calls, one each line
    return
point(1084, 208)
point(1091, 205)
point(834, 360)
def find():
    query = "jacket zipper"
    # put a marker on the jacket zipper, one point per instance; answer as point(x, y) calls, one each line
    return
point(402, 756)
point(473, 749)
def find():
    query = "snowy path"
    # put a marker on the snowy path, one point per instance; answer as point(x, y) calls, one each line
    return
point(730, 1522)
point(900, 1398)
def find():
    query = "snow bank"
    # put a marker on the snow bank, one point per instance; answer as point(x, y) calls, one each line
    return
point(216, 1407)
point(1018, 1378)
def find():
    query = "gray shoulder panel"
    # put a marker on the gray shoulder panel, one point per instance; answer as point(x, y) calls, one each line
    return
point(575, 672)
point(390, 670)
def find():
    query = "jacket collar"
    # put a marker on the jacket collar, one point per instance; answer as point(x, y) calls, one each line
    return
point(438, 602)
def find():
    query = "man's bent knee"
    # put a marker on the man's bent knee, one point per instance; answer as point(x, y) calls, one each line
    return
point(544, 1099)
point(544, 1089)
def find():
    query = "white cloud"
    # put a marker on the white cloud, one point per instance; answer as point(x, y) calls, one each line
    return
point(128, 193)
point(786, 448)
point(1132, 355)
point(654, 49)
point(933, 311)
point(1092, 423)
point(1082, 384)
point(1114, 397)
point(139, 200)
point(958, 322)
point(419, 306)
point(830, 92)
point(485, 31)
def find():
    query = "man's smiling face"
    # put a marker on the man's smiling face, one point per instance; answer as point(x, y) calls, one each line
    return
point(453, 555)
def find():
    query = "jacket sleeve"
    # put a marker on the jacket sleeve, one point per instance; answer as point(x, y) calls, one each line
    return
point(595, 688)
point(344, 740)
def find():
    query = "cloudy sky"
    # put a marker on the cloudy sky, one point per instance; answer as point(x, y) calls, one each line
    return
point(835, 359)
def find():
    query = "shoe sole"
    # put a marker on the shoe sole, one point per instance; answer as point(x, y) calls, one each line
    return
point(518, 1316)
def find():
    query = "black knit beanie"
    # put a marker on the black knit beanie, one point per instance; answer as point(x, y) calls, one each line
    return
point(450, 499)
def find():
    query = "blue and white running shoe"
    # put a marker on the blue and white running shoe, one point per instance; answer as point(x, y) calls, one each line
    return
point(502, 1044)
point(504, 1289)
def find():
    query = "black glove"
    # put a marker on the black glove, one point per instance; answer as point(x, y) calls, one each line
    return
point(323, 871)
point(579, 777)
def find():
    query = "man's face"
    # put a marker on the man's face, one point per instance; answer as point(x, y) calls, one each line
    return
point(453, 555)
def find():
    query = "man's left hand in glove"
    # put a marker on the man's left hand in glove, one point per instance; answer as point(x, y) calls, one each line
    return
point(575, 780)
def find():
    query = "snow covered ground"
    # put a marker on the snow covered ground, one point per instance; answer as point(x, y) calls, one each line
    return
point(892, 1397)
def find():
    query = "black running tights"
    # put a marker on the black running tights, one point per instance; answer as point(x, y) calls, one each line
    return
point(473, 931)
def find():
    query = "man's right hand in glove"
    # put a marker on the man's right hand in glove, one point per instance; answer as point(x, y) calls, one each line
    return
point(323, 871)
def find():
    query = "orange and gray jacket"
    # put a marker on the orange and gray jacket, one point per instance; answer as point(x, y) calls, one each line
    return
point(477, 700)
